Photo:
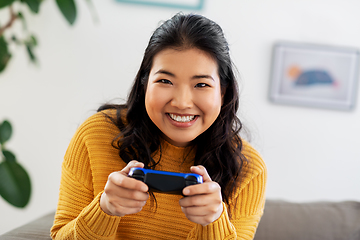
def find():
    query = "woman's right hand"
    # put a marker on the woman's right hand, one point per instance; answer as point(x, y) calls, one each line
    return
point(124, 195)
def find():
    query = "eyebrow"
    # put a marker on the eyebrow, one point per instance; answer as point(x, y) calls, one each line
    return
point(203, 76)
point(165, 72)
point(161, 71)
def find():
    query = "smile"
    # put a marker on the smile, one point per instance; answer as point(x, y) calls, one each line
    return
point(182, 119)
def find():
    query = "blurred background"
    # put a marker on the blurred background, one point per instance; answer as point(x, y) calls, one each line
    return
point(312, 154)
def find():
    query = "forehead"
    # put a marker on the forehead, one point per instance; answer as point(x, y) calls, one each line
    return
point(193, 60)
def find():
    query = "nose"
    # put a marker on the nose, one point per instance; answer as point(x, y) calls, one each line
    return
point(182, 98)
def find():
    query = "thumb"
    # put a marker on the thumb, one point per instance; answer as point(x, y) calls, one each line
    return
point(125, 171)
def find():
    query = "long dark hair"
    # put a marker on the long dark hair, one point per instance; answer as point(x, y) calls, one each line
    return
point(218, 149)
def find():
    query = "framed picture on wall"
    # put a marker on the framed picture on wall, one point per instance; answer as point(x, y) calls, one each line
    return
point(180, 4)
point(314, 75)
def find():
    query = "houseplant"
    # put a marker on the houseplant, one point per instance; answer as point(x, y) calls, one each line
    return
point(15, 184)
point(29, 41)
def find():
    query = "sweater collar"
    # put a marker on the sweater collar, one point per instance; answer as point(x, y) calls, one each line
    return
point(177, 154)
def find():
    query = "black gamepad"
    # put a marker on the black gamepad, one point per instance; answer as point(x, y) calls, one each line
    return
point(166, 182)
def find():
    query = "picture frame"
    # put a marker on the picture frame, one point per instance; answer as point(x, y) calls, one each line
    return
point(179, 4)
point(314, 75)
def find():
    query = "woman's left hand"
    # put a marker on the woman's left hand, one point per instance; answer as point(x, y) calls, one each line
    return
point(202, 203)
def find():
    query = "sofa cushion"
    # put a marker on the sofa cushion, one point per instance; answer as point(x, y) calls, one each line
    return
point(311, 221)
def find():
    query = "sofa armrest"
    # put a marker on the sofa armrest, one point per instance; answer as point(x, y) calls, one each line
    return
point(311, 221)
point(38, 229)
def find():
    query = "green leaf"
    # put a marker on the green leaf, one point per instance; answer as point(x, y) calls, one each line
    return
point(5, 131)
point(34, 5)
point(15, 40)
point(15, 185)
point(31, 41)
point(4, 54)
point(4, 3)
point(92, 11)
point(9, 156)
point(31, 53)
point(68, 9)
point(21, 17)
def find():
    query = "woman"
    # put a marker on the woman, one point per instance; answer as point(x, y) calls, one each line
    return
point(180, 116)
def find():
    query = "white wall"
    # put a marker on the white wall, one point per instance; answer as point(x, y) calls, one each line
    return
point(311, 154)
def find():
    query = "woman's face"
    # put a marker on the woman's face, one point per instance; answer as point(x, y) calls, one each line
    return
point(183, 95)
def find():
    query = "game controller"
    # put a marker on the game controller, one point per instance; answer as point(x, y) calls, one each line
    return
point(166, 182)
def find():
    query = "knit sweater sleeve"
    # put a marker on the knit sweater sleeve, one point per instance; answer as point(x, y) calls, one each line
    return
point(78, 213)
point(246, 207)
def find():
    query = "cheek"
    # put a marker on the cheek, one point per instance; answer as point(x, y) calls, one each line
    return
point(154, 100)
point(210, 104)
point(149, 101)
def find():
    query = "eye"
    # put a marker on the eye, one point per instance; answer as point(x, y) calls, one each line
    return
point(164, 81)
point(202, 85)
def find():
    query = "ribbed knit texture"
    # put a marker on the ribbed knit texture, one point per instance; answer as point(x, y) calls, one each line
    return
point(89, 160)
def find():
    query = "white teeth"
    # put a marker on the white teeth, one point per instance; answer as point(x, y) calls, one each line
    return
point(181, 118)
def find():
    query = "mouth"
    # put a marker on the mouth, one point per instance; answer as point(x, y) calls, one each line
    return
point(181, 119)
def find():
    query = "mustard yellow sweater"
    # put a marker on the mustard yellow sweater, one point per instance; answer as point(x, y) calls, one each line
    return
point(89, 160)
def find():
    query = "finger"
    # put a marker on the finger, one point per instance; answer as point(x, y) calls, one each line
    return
point(201, 200)
point(125, 171)
point(201, 170)
point(200, 211)
point(123, 211)
point(126, 202)
point(204, 188)
point(118, 208)
point(203, 215)
point(197, 200)
point(119, 180)
point(192, 211)
point(130, 203)
point(129, 194)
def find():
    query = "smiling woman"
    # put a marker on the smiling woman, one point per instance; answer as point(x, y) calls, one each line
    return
point(180, 116)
